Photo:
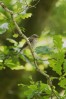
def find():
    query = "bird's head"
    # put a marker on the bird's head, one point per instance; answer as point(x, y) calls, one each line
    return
point(35, 36)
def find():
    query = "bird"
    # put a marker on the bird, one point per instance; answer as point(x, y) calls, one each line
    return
point(33, 40)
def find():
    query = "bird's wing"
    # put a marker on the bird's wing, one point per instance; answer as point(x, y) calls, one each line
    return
point(25, 44)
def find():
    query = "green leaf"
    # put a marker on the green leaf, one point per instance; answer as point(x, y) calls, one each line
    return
point(62, 83)
point(57, 62)
point(3, 28)
point(57, 39)
point(56, 66)
point(31, 91)
point(18, 67)
point(45, 88)
point(43, 50)
point(36, 88)
point(24, 16)
point(12, 41)
point(27, 15)
point(2, 16)
point(15, 35)
point(64, 66)
point(12, 62)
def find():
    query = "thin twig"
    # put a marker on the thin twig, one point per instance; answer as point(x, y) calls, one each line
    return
point(32, 6)
point(36, 3)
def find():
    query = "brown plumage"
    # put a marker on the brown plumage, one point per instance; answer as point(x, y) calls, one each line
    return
point(32, 39)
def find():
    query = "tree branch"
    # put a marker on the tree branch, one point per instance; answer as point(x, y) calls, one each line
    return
point(21, 33)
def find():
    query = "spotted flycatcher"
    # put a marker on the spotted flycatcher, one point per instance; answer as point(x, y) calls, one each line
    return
point(33, 39)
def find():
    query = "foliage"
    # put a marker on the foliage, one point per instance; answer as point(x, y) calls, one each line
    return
point(36, 89)
point(10, 56)
point(57, 21)
point(57, 63)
